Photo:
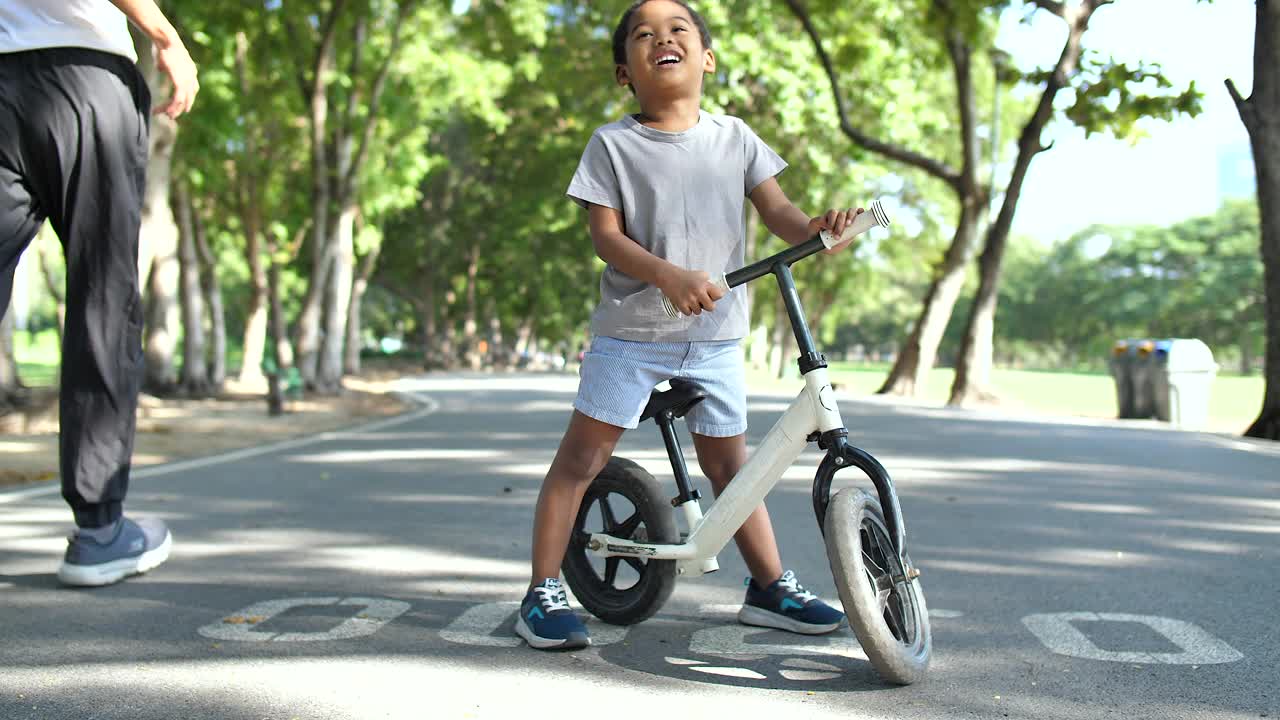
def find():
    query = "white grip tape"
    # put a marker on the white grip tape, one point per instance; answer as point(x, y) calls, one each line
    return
point(876, 216)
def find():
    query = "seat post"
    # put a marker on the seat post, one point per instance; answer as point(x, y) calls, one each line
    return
point(666, 423)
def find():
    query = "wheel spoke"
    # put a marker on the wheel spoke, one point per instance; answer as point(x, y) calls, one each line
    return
point(897, 622)
point(635, 564)
point(882, 598)
point(611, 570)
point(628, 527)
point(610, 520)
point(878, 571)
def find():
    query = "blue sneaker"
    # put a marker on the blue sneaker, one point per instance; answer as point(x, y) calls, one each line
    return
point(786, 605)
point(136, 548)
point(546, 622)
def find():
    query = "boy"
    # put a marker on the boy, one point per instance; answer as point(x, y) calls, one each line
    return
point(664, 192)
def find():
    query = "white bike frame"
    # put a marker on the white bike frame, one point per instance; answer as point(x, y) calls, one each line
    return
point(813, 410)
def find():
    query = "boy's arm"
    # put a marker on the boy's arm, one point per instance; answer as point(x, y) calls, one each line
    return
point(689, 290)
point(171, 55)
point(790, 223)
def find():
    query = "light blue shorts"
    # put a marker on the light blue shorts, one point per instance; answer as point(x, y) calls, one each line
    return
point(617, 377)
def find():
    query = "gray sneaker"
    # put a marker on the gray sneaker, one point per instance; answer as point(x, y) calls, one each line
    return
point(136, 548)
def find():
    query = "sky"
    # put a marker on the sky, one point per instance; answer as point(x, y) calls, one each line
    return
point(1183, 168)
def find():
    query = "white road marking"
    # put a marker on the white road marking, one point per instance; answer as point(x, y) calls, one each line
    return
point(1058, 634)
point(732, 640)
point(478, 624)
point(807, 675)
point(729, 672)
point(240, 626)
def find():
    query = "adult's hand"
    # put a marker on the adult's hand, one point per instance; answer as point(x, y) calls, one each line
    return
point(171, 55)
point(175, 62)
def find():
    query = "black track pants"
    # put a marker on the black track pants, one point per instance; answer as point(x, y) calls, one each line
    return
point(73, 149)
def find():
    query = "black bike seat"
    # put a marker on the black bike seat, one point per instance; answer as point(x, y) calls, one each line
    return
point(682, 396)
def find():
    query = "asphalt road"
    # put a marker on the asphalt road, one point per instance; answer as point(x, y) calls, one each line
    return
point(1073, 570)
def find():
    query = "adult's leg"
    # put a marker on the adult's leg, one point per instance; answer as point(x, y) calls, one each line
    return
point(585, 449)
point(86, 142)
point(19, 219)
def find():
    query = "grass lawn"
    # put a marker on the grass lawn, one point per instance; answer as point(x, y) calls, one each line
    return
point(1234, 401)
point(37, 357)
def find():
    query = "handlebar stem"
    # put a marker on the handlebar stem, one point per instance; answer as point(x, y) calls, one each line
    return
point(779, 266)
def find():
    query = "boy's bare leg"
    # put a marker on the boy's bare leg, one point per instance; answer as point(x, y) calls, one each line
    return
point(720, 460)
point(584, 451)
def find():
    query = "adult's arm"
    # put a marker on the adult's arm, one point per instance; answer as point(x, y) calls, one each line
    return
point(171, 55)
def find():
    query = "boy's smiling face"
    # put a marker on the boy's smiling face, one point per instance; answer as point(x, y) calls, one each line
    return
point(665, 55)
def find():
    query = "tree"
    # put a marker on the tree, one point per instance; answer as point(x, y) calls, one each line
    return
point(957, 31)
point(1199, 278)
point(194, 380)
point(1261, 116)
point(964, 33)
point(158, 238)
point(1109, 96)
point(10, 385)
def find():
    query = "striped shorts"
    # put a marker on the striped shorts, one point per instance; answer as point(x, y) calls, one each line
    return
point(617, 377)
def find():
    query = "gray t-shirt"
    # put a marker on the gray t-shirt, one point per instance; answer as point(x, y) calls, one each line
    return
point(682, 198)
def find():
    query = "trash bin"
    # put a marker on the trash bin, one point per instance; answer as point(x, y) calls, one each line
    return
point(1121, 363)
point(1142, 376)
point(1182, 378)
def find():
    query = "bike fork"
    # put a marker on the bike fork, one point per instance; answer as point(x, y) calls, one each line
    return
point(840, 455)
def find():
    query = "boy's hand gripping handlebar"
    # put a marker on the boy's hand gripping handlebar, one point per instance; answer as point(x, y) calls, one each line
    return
point(876, 216)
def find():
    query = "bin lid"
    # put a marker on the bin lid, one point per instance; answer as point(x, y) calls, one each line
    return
point(1187, 355)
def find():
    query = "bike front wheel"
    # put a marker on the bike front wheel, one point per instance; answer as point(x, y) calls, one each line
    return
point(625, 502)
point(884, 603)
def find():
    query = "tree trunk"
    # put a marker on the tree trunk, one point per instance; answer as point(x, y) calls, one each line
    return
point(158, 237)
point(449, 355)
point(279, 341)
point(194, 379)
point(213, 299)
point(337, 159)
point(469, 340)
point(497, 355)
point(427, 312)
point(784, 341)
point(250, 204)
point(355, 328)
point(919, 351)
point(973, 367)
point(308, 345)
point(525, 344)
point(50, 261)
point(1261, 116)
point(10, 386)
point(337, 303)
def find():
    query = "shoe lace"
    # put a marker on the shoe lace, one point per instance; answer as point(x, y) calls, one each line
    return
point(792, 584)
point(552, 598)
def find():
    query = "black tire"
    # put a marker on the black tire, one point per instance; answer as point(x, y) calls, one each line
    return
point(621, 590)
point(886, 611)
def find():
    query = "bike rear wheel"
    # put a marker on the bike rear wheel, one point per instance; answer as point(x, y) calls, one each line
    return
point(884, 604)
point(626, 502)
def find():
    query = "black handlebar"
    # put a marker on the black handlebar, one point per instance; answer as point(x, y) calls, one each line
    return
point(768, 265)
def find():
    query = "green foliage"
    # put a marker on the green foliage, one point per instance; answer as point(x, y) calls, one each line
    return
point(486, 111)
point(1199, 278)
point(1112, 97)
